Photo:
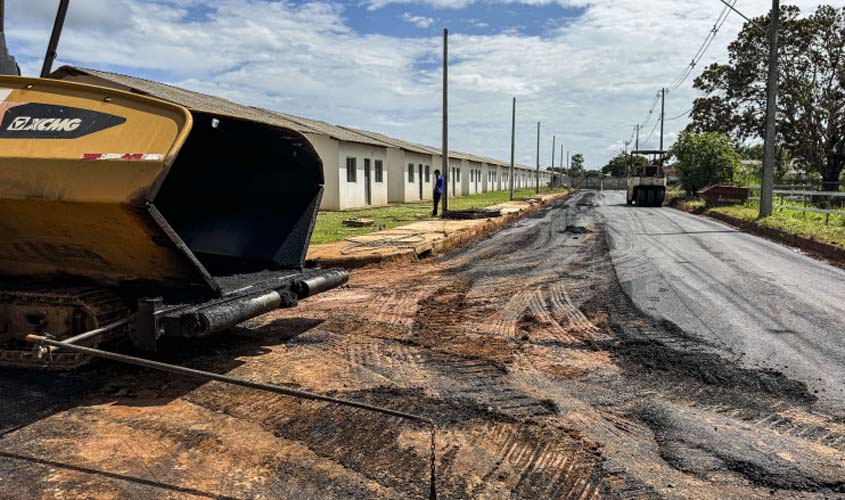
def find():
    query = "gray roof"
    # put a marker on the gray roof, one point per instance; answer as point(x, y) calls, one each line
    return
point(399, 143)
point(211, 104)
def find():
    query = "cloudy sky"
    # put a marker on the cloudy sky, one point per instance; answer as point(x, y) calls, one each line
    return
point(588, 70)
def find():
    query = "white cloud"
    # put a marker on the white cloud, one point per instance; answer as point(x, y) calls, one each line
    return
point(588, 80)
point(418, 21)
point(460, 4)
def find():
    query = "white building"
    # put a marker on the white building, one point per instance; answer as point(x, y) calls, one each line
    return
point(410, 168)
point(361, 168)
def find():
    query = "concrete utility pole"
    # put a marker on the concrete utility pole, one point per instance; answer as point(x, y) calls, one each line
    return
point(561, 157)
point(767, 186)
point(554, 150)
point(513, 146)
point(662, 119)
point(538, 158)
point(637, 144)
point(445, 152)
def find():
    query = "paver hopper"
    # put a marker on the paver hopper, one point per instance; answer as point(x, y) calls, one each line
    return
point(117, 208)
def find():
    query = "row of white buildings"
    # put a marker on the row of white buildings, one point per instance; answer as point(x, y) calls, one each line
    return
point(361, 168)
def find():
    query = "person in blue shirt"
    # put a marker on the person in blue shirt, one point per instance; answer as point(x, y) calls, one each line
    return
point(438, 191)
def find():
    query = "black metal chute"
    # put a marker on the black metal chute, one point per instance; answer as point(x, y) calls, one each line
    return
point(243, 195)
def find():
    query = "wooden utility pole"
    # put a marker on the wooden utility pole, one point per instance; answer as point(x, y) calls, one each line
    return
point(513, 146)
point(768, 181)
point(537, 180)
point(445, 122)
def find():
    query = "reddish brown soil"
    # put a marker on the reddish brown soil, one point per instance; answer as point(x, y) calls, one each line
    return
point(544, 381)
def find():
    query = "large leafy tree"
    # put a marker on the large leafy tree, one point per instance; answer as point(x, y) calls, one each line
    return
point(577, 164)
point(618, 165)
point(704, 159)
point(811, 101)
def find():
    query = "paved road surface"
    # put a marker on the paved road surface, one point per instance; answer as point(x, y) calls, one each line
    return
point(764, 303)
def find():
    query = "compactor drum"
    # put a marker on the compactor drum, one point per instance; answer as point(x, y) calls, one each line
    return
point(117, 208)
point(647, 184)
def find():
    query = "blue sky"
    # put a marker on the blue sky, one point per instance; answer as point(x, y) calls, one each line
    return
point(588, 70)
point(404, 21)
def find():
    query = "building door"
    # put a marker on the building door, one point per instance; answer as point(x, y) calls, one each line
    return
point(421, 180)
point(368, 188)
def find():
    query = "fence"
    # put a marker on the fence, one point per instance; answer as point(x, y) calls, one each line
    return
point(808, 199)
point(602, 183)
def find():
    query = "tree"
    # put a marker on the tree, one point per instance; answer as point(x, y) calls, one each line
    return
point(754, 175)
point(619, 165)
point(811, 102)
point(577, 165)
point(704, 159)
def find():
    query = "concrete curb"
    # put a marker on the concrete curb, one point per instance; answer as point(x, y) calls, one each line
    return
point(477, 230)
point(824, 251)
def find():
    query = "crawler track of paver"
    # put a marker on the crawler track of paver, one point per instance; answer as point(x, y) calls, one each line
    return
point(544, 378)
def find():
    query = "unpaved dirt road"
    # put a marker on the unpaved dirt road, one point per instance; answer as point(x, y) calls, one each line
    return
point(545, 379)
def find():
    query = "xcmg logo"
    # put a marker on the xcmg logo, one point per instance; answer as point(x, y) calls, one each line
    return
point(22, 123)
point(51, 121)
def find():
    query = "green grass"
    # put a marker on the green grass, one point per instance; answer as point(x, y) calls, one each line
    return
point(805, 224)
point(330, 224)
point(672, 193)
point(694, 204)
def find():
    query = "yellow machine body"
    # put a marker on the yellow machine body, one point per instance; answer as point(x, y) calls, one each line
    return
point(78, 165)
point(119, 189)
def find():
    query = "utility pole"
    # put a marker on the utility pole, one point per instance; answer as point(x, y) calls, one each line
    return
point(537, 180)
point(637, 144)
point(513, 147)
point(767, 186)
point(445, 152)
point(561, 156)
point(662, 119)
point(554, 150)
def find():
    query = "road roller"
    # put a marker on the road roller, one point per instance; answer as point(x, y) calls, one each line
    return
point(647, 184)
point(127, 217)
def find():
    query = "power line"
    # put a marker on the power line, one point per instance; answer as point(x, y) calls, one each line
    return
point(650, 113)
point(751, 22)
point(656, 124)
point(682, 115)
point(697, 57)
point(705, 45)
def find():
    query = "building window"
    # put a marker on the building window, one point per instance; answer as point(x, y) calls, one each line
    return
point(428, 174)
point(472, 175)
point(351, 169)
point(379, 171)
point(410, 172)
point(458, 174)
